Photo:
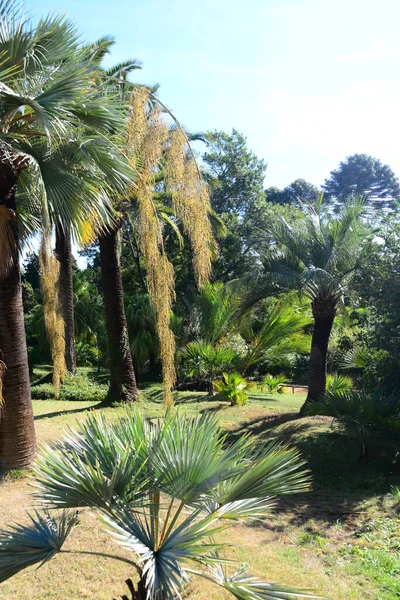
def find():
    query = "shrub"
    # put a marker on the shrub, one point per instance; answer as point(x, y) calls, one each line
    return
point(233, 387)
point(204, 362)
point(76, 386)
point(273, 384)
point(127, 472)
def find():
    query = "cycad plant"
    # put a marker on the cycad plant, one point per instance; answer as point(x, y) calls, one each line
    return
point(164, 491)
point(315, 255)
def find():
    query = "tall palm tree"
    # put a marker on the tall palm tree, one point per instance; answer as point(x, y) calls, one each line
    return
point(316, 255)
point(115, 77)
point(45, 93)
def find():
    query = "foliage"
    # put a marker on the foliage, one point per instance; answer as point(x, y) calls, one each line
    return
point(297, 192)
point(124, 471)
point(338, 383)
point(281, 334)
point(363, 175)
point(150, 141)
point(204, 362)
point(273, 384)
point(77, 386)
point(360, 415)
point(233, 387)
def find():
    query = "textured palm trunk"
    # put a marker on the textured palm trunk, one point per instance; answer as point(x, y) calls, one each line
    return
point(123, 386)
point(324, 312)
point(66, 293)
point(17, 432)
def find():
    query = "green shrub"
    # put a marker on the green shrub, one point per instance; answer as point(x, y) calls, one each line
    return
point(204, 362)
point(75, 387)
point(273, 384)
point(233, 387)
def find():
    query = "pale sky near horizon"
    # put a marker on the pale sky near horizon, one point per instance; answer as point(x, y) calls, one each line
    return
point(308, 82)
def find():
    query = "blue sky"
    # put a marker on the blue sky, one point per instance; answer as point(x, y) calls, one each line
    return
point(307, 81)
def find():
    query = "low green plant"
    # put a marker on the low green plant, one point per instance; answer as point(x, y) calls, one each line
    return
point(77, 386)
point(233, 387)
point(273, 384)
point(203, 362)
point(338, 383)
point(360, 415)
point(163, 490)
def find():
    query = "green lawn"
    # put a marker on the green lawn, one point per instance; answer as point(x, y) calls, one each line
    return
point(341, 539)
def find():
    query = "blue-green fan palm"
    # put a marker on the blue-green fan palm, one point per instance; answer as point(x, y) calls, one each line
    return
point(164, 491)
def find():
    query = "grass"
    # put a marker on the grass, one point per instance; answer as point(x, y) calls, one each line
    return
point(341, 539)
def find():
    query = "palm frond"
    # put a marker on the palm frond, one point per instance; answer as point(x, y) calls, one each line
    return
point(24, 545)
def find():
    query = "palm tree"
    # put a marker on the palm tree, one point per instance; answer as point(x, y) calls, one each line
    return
point(116, 77)
point(163, 490)
point(45, 94)
point(316, 255)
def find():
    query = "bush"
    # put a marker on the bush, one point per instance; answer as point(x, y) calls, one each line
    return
point(233, 387)
point(204, 362)
point(75, 387)
point(273, 384)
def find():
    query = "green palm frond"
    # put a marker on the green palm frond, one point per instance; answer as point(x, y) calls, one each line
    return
point(24, 545)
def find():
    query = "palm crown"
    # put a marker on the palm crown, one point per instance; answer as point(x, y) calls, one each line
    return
point(318, 253)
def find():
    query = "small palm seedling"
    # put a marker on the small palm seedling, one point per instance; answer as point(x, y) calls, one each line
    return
point(273, 384)
point(360, 416)
point(164, 491)
point(233, 387)
point(338, 383)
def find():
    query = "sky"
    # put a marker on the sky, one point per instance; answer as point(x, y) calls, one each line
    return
point(308, 82)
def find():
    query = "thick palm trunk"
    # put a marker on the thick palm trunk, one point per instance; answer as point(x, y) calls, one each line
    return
point(66, 293)
point(324, 314)
point(17, 432)
point(123, 386)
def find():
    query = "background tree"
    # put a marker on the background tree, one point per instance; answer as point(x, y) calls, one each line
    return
point(298, 191)
point(236, 179)
point(317, 255)
point(363, 175)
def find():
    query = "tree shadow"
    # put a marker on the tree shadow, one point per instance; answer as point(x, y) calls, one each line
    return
point(341, 480)
point(73, 411)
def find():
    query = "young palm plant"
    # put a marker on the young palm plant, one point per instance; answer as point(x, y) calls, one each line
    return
point(164, 491)
point(316, 255)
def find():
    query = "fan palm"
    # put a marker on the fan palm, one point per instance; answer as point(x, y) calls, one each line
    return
point(316, 255)
point(164, 491)
point(47, 106)
point(104, 79)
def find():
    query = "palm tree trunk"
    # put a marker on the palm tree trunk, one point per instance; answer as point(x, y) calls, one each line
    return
point(66, 293)
point(324, 315)
point(123, 386)
point(17, 431)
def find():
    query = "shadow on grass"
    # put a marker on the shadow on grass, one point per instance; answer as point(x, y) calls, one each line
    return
point(73, 411)
point(341, 479)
